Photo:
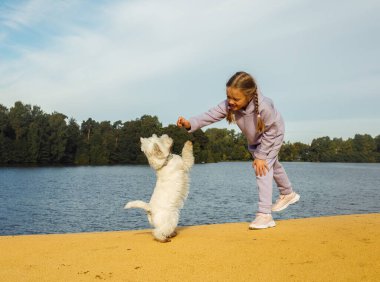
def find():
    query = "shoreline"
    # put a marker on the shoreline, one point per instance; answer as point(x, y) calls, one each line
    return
point(58, 165)
point(341, 248)
point(178, 227)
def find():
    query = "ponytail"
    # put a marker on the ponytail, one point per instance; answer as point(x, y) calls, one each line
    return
point(260, 126)
point(230, 116)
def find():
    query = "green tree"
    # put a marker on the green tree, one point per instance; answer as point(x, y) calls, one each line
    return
point(73, 141)
point(179, 136)
point(321, 150)
point(130, 138)
point(58, 137)
point(6, 136)
point(200, 146)
point(19, 119)
point(287, 152)
point(377, 142)
point(364, 148)
point(83, 156)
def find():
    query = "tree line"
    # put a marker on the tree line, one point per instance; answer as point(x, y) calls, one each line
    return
point(29, 136)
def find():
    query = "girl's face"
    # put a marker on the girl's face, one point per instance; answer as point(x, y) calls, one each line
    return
point(236, 99)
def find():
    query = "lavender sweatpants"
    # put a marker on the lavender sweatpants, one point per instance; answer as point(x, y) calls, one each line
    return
point(264, 183)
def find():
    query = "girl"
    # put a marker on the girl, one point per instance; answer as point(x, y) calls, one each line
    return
point(264, 128)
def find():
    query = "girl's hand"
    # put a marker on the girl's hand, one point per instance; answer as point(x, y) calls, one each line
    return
point(182, 122)
point(260, 166)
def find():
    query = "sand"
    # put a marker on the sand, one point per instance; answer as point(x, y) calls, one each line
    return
point(338, 248)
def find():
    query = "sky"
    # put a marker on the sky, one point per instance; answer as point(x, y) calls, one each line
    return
point(319, 61)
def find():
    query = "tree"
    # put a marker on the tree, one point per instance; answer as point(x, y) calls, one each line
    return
point(72, 143)
point(179, 135)
point(83, 156)
point(364, 148)
point(30, 136)
point(6, 136)
point(130, 138)
point(321, 150)
point(58, 136)
point(19, 120)
point(200, 145)
point(377, 142)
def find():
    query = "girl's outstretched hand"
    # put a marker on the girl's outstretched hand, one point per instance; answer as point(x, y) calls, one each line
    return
point(260, 166)
point(182, 122)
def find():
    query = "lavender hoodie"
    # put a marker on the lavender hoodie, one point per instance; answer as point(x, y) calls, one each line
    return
point(264, 145)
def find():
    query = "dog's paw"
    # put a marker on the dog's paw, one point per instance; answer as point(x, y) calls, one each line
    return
point(160, 236)
point(189, 143)
point(164, 240)
point(173, 234)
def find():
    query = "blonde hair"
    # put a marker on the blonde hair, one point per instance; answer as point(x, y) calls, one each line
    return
point(245, 83)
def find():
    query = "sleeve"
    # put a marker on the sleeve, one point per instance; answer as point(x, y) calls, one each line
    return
point(268, 114)
point(213, 115)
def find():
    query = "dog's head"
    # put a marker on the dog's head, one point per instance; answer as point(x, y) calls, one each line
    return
point(156, 147)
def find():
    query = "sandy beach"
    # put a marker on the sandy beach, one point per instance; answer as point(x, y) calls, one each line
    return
point(337, 248)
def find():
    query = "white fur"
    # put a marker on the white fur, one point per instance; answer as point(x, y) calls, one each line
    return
point(172, 184)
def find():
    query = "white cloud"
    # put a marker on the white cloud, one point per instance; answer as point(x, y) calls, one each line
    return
point(117, 60)
point(18, 15)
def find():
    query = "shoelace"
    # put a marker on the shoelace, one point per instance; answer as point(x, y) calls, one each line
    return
point(281, 198)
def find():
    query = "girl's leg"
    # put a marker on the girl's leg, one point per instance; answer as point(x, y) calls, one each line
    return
point(264, 184)
point(281, 178)
point(287, 195)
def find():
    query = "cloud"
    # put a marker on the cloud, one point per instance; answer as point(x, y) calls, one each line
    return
point(22, 15)
point(121, 59)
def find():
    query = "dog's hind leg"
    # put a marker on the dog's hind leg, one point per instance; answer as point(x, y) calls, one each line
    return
point(165, 223)
point(163, 233)
point(173, 234)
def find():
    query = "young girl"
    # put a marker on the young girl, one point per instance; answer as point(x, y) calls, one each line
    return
point(264, 128)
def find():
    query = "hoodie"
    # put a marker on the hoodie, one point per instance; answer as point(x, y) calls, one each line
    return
point(264, 145)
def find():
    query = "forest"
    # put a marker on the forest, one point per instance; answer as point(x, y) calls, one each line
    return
point(29, 136)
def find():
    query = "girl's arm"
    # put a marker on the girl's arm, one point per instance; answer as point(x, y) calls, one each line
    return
point(271, 132)
point(213, 115)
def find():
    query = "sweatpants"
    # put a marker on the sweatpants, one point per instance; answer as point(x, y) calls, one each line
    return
point(264, 183)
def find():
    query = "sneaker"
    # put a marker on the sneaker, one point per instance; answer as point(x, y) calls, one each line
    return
point(262, 221)
point(284, 201)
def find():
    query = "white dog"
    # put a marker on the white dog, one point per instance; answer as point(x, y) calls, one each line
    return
point(172, 184)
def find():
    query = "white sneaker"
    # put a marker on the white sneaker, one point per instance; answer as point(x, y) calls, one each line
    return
point(262, 221)
point(285, 200)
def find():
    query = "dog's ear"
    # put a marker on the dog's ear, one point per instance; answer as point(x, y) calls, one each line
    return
point(157, 149)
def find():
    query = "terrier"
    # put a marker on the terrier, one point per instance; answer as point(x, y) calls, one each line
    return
point(172, 185)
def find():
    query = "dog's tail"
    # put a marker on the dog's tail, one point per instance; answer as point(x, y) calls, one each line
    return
point(187, 155)
point(138, 205)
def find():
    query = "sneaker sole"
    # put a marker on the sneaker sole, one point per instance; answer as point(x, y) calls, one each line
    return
point(258, 227)
point(293, 201)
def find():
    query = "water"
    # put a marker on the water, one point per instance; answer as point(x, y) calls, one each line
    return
point(86, 199)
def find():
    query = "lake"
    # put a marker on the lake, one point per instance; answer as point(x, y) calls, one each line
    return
point(86, 199)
